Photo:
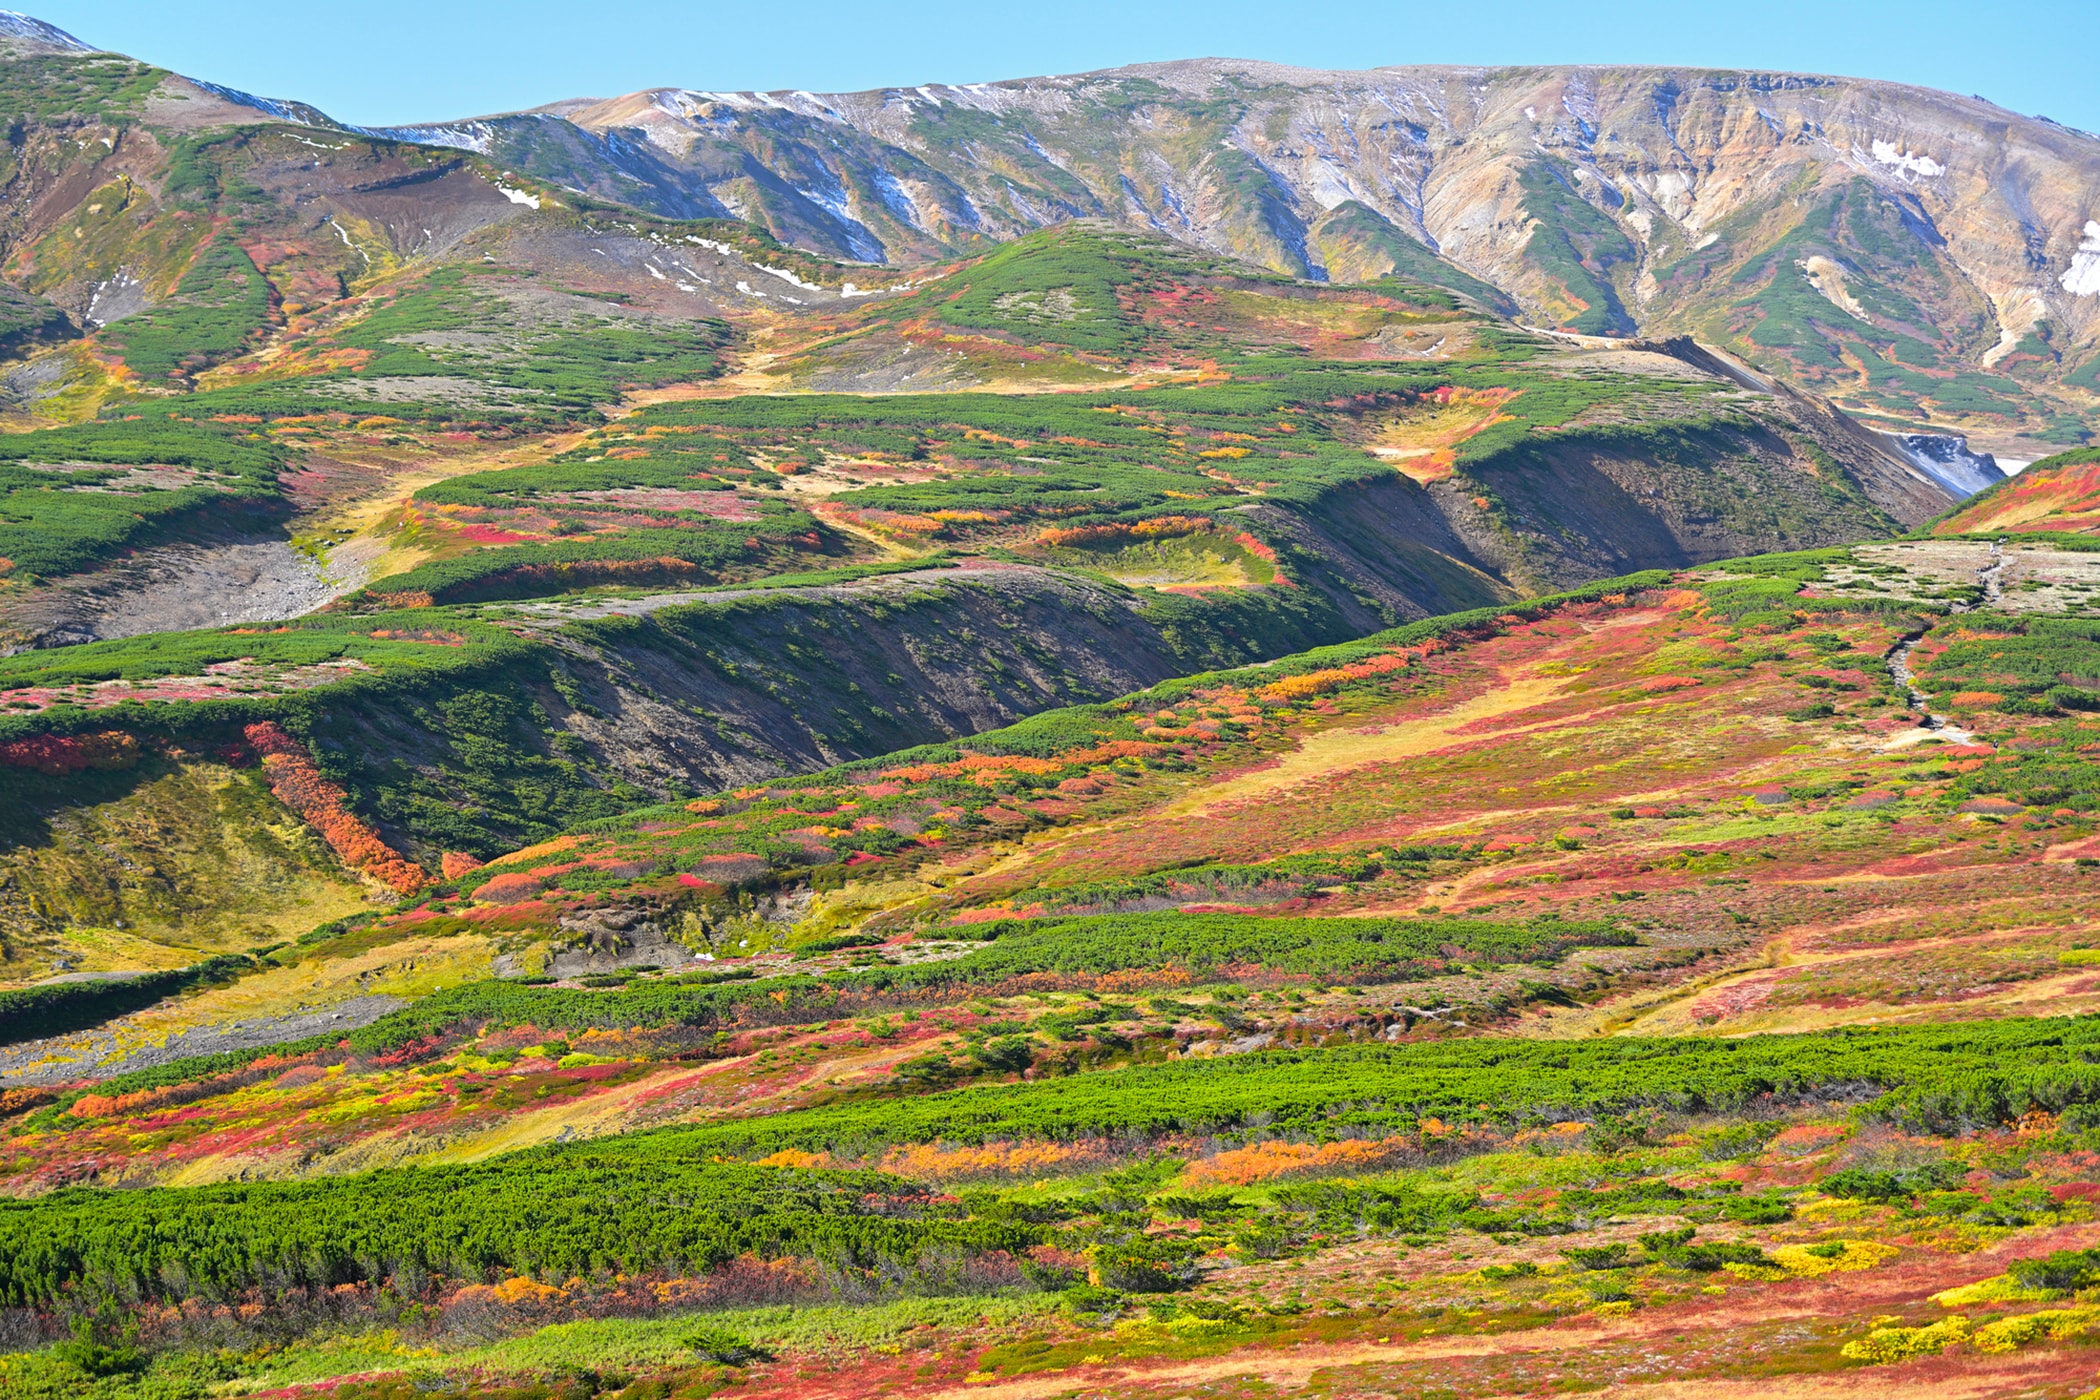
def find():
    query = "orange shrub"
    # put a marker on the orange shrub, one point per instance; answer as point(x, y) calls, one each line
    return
point(1244, 1166)
point(976, 764)
point(454, 864)
point(932, 1161)
point(299, 785)
point(513, 888)
point(1314, 682)
point(1165, 527)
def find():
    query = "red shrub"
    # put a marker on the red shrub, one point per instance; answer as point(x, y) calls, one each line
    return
point(54, 755)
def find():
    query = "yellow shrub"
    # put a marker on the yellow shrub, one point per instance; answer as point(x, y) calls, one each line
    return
point(525, 1290)
point(1885, 1345)
point(2002, 1289)
point(1859, 1254)
point(2012, 1333)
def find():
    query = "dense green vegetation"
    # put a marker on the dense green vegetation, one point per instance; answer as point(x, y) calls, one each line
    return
point(522, 1213)
point(486, 349)
point(1416, 272)
point(689, 550)
point(1359, 950)
point(27, 320)
point(98, 87)
point(384, 642)
point(1204, 945)
point(1577, 246)
point(554, 354)
point(1059, 290)
point(219, 306)
point(1002, 464)
point(1932, 1078)
point(2038, 664)
point(492, 1220)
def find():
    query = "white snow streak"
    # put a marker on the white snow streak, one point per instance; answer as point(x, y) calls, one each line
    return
point(2082, 277)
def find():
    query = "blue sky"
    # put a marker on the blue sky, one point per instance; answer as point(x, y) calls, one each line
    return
point(390, 61)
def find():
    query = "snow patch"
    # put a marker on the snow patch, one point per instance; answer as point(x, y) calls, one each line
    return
point(530, 201)
point(284, 111)
point(1331, 186)
point(350, 243)
point(469, 136)
point(897, 199)
point(2082, 277)
point(1889, 153)
point(728, 252)
point(1673, 191)
point(2019, 312)
point(784, 275)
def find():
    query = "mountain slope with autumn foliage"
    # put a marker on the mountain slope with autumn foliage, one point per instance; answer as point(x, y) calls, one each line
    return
point(2059, 494)
point(596, 804)
point(1131, 1040)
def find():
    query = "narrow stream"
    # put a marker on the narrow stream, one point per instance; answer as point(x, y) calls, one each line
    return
point(1898, 659)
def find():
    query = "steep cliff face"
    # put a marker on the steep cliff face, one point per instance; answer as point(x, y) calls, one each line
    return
point(1922, 254)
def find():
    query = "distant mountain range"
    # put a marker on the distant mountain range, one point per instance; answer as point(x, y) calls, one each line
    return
point(1911, 252)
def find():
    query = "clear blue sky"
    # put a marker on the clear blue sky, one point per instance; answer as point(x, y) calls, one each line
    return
point(378, 62)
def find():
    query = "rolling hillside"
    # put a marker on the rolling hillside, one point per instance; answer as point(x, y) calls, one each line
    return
point(1198, 730)
point(1126, 1044)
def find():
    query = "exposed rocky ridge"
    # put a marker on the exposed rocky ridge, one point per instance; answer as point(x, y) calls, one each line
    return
point(23, 35)
point(708, 694)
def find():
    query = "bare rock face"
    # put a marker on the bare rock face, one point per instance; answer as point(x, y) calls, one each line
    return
point(1922, 254)
point(1946, 458)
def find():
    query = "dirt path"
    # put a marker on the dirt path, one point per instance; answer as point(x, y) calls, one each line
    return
point(1897, 662)
point(363, 549)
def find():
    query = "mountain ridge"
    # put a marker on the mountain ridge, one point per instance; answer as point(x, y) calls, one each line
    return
point(1598, 215)
point(1923, 257)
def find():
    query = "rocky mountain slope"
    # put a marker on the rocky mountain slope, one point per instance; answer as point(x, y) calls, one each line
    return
point(1926, 255)
point(1918, 255)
